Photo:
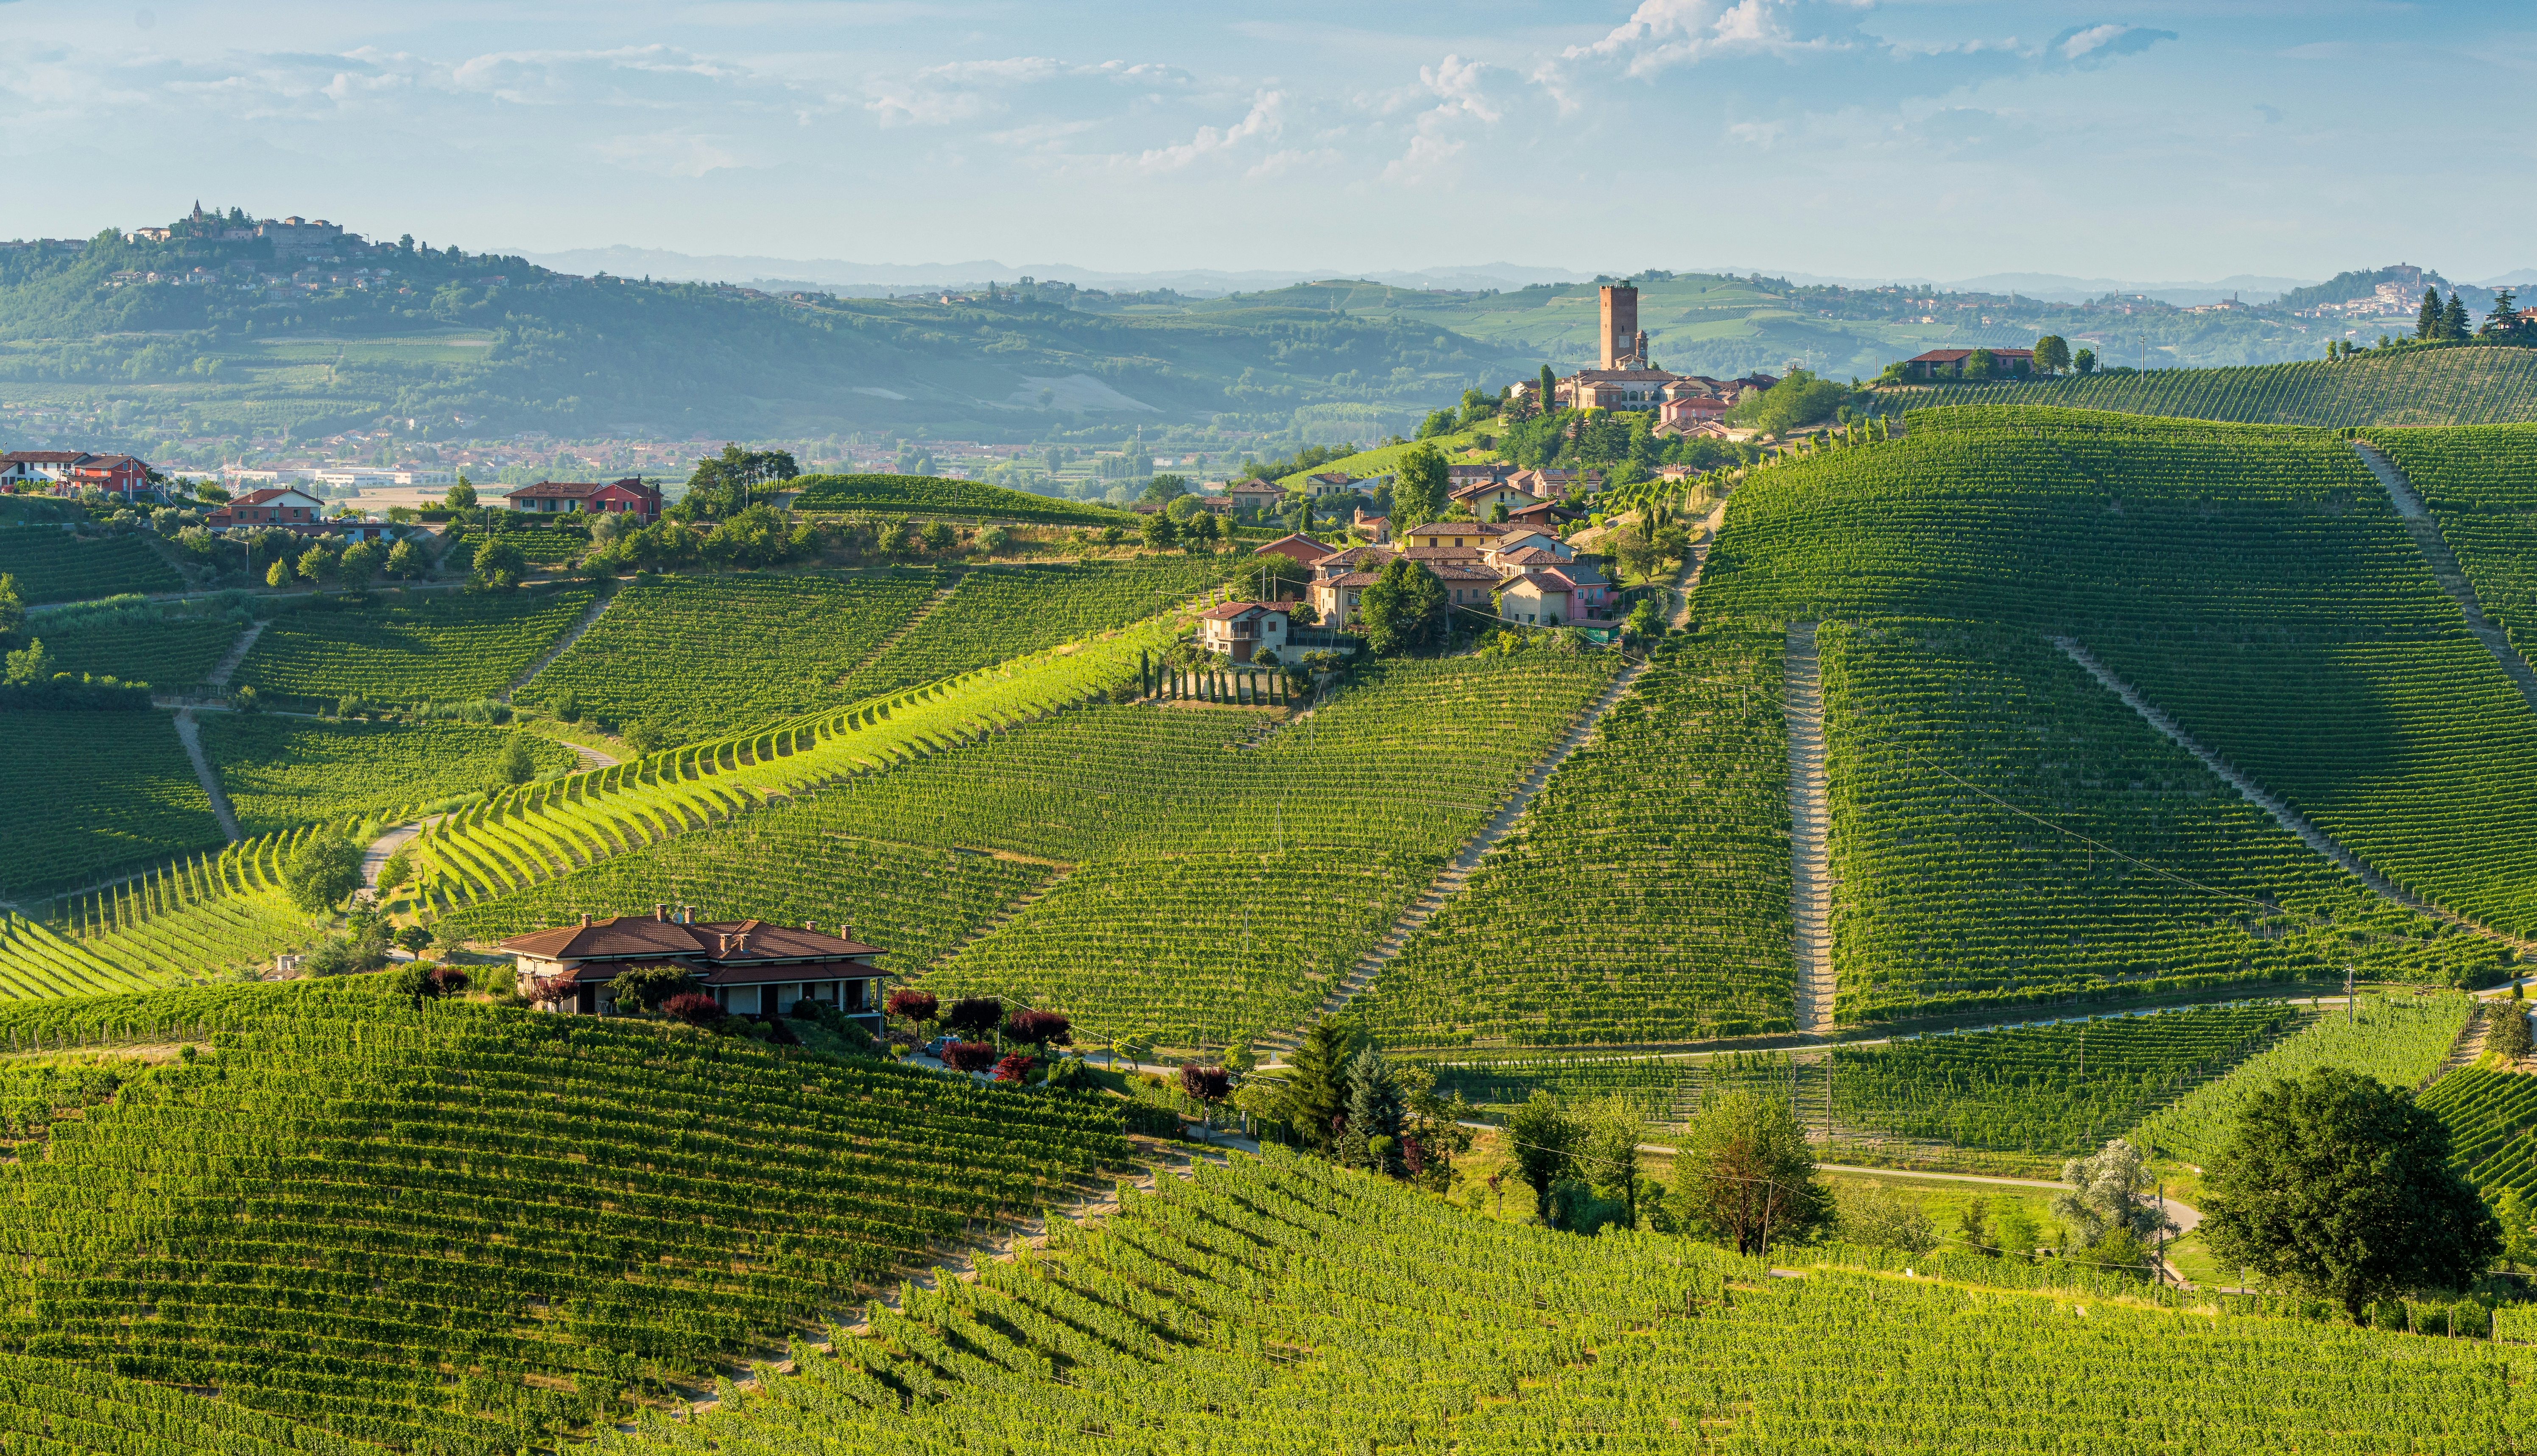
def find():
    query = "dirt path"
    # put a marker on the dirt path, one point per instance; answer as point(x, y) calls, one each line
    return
point(190, 733)
point(2289, 818)
point(915, 620)
point(572, 634)
point(229, 665)
point(380, 850)
point(2446, 568)
point(1710, 526)
point(1809, 851)
point(1457, 872)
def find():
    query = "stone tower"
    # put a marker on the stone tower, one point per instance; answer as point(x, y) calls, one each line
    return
point(1620, 326)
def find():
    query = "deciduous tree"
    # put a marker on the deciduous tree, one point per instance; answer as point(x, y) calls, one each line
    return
point(1404, 610)
point(1419, 485)
point(2051, 354)
point(322, 873)
point(2341, 1186)
point(1746, 1174)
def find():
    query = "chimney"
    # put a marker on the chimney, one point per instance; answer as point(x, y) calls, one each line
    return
point(845, 931)
point(585, 919)
point(811, 926)
point(660, 911)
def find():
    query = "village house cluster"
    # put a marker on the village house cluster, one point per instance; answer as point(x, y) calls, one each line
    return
point(1624, 380)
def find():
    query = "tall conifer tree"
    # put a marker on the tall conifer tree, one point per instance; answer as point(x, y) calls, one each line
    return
point(2427, 322)
point(2454, 322)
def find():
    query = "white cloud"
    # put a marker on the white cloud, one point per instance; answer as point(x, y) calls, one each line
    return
point(961, 91)
point(555, 78)
point(1263, 120)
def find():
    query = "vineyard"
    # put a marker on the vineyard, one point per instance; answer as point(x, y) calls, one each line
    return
point(526, 836)
point(2491, 1115)
point(996, 613)
point(2059, 1089)
point(53, 565)
point(2254, 582)
point(86, 792)
point(169, 649)
point(2436, 386)
point(695, 657)
point(187, 920)
point(2481, 486)
point(783, 864)
point(2398, 1039)
point(281, 772)
point(1282, 1306)
point(49, 1406)
point(385, 1151)
point(936, 495)
point(2165, 881)
point(430, 647)
point(1645, 897)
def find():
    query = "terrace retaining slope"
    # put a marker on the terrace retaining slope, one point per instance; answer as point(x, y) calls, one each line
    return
point(1809, 855)
point(189, 733)
point(1457, 872)
point(2425, 531)
point(572, 634)
point(2289, 818)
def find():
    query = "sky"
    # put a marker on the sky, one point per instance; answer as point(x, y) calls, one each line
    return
point(2134, 139)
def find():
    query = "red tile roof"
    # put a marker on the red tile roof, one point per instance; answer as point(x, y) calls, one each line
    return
point(1232, 609)
point(638, 938)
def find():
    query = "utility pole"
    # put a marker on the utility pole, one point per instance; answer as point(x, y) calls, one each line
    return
point(2349, 1016)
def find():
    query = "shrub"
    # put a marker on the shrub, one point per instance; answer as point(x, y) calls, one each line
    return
point(912, 1005)
point(696, 1008)
point(1014, 1068)
point(974, 1016)
point(968, 1056)
point(1039, 1028)
point(1209, 1084)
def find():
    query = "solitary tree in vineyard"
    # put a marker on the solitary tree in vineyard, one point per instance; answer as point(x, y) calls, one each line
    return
point(2338, 1185)
point(1746, 1174)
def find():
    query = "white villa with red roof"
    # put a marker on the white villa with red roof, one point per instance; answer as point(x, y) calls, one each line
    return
point(751, 967)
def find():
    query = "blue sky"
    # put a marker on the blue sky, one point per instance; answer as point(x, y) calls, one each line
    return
point(2142, 139)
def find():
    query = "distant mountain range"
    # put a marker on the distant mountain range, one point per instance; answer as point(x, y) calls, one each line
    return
point(877, 279)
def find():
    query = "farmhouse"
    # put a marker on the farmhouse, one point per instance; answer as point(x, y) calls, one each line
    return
point(1299, 548)
point(63, 471)
point(1239, 629)
point(1255, 495)
point(279, 506)
point(1949, 363)
point(630, 496)
point(749, 967)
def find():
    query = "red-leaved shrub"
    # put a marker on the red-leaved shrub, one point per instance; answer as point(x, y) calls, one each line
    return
point(969, 1056)
point(696, 1008)
point(1014, 1068)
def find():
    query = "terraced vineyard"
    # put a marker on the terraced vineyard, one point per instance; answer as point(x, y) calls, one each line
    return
point(384, 1149)
point(53, 565)
point(784, 865)
point(521, 838)
point(172, 652)
point(539, 547)
point(695, 657)
point(2254, 582)
point(280, 772)
point(999, 612)
point(1946, 899)
point(2059, 1089)
point(1646, 896)
point(1262, 1307)
point(86, 792)
point(1667, 1089)
point(2481, 486)
point(193, 918)
point(2476, 385)
point(937, 496)
point(435, 647)
point(2492, 1117)
point(2398, 1039)
point(51, 1406)
point(1360, 802)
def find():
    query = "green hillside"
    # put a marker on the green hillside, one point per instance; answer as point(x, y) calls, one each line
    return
point(1279, 1305)
point(2254, 582)
point(478, 344)
point(560, 1214)
point(2468, 385)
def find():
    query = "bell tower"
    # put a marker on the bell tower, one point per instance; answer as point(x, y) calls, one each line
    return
point(1621, 346)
